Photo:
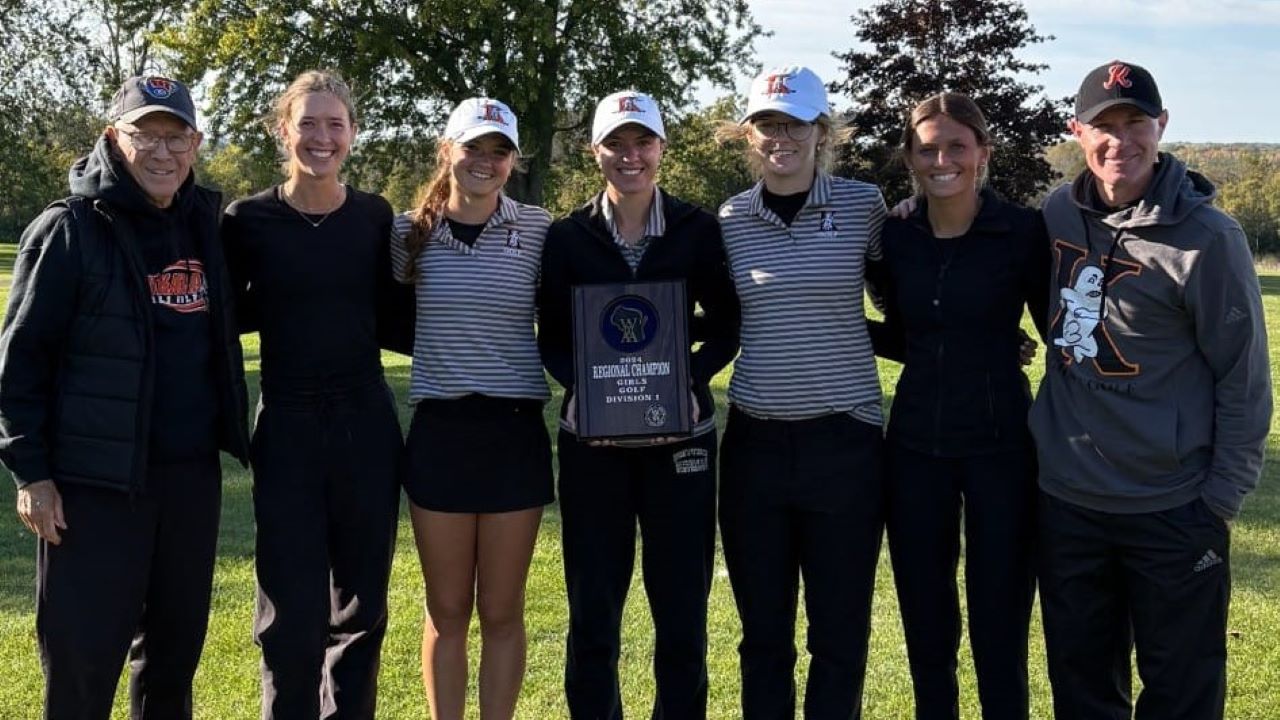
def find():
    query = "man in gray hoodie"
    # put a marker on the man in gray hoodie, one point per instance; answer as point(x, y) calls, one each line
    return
point(1151, 420)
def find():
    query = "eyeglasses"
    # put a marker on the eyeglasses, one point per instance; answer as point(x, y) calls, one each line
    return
point(795, 129)
point(143, 141)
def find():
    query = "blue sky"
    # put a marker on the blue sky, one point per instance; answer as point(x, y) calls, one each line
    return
point(1217, 61)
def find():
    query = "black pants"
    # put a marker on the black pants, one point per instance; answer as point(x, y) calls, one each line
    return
point(671, 491)
point(998, 496)
point(129, 570)
point(802, 498)
point(1159, 581)
point(326, 494)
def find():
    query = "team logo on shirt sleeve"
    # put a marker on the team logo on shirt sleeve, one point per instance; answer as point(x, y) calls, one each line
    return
point(180, 287)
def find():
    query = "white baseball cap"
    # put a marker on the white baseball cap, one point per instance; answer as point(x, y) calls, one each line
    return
point(480, 116)
point(623, 108)
point(794, 90)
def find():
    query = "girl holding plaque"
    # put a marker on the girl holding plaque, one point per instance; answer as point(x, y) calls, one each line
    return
point(310, 265)
point(960, 268)
point(800, 484)
point(479, 456)
point(634, 232)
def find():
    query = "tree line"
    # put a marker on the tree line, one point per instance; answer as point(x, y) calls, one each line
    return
point(1246, 175)
point(409, 62)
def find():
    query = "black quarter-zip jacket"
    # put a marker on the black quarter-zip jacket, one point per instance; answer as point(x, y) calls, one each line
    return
point(952, 312)
point(580, 249)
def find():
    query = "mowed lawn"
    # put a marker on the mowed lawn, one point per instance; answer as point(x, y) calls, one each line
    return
point(227, 684)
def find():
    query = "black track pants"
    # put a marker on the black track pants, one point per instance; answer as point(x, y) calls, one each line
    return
point(1158, 581)
point(997, 495)
point(128, 571)
point(802, 498)
point(326, 493)
point(670, 491)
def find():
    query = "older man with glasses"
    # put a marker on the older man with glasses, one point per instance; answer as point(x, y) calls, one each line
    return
point(120, 380)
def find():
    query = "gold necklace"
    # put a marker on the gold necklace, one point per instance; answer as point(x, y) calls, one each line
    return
point(342, 198)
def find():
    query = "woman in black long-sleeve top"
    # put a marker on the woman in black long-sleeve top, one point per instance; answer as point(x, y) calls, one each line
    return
point(959, 271)
point(310, 263)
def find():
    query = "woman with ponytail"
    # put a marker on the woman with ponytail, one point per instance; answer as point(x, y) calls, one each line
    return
point(478, 451)
point(310, 265)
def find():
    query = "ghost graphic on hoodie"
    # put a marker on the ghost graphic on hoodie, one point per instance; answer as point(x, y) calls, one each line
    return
point(1083, 311)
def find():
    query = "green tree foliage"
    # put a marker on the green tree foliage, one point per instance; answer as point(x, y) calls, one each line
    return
point(916, 48)
point(1247, 177)
point(44, 98)
point(395, 167)
point(411, 61)
point(63, 60)
point(233, 170)
point(1253, 199)
point(123, 39)
point(695, 167)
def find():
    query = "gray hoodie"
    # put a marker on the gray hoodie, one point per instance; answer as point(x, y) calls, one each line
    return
point(1157, 389)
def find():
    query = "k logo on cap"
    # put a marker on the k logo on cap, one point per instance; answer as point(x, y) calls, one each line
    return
point(1117, 83)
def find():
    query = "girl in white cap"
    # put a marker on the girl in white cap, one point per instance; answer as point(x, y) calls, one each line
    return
point(800, 483)
point(478, 452)
point(631, 232)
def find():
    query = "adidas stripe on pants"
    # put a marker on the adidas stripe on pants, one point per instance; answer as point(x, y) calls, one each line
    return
point(1156, 581)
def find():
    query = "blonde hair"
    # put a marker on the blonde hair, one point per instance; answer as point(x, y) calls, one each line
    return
point(834, 133)
point(308, 83)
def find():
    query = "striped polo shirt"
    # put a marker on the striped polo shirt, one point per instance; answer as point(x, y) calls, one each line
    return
point(475, 306)
point(655, 226)
point(805, 348)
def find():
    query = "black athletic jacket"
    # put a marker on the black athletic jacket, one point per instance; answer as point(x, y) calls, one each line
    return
point(952, 310)
point(77, 370)
point(580, 249)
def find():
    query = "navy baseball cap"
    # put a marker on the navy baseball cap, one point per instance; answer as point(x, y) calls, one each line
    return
point(143, 95)
point(1117, 83)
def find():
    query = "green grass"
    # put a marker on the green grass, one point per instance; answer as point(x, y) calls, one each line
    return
point(227, 684)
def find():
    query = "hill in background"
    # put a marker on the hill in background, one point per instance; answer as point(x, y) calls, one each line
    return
point(1247, 176)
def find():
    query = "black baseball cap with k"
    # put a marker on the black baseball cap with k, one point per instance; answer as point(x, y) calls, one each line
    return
point(143, 95)
point(1117, 83)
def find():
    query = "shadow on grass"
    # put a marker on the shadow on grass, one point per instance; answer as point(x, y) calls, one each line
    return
point(1270, 284)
